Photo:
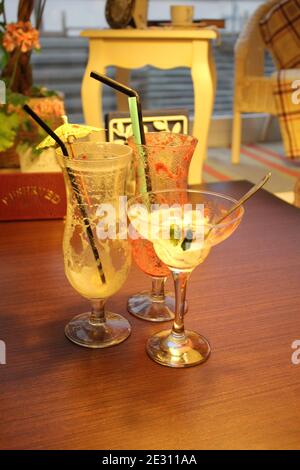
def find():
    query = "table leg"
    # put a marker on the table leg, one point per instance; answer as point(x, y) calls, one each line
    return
point(91, 90)
point(204, 79)
point(297, 193)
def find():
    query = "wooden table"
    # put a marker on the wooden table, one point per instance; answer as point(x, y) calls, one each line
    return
point(245, 298)
point(163, 48)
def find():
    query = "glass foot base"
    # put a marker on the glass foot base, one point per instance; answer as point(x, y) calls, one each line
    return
point(115, 330)
point(142, 306)
point(169, 351)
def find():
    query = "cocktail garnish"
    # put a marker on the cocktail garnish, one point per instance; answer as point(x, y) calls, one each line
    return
point(186, 244)
point(175, 234)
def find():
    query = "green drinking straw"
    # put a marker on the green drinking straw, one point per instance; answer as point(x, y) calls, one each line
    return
point(144, 177)
point(136, 116)
point(74, 186)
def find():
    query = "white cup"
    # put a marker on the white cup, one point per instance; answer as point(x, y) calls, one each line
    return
point(182, 14)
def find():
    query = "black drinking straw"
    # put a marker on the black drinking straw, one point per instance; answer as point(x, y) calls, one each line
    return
point(75, 188)
point(133, 94)
point(127, 91)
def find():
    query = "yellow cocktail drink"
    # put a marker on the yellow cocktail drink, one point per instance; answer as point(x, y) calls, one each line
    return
point(84, 275)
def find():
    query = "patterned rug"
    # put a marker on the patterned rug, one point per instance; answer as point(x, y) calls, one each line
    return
point(256, 160)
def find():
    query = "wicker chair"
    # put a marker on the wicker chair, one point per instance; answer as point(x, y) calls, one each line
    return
point(253, 92)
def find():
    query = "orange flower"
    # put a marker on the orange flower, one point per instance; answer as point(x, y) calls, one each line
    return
point(21, 36)
point(49, 107)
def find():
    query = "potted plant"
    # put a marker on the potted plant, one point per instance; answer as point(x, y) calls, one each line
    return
point(19, 135)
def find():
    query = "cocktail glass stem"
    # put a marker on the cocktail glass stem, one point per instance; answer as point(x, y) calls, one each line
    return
point(154, 305)
point(98, 312)
point(180, 281)
point(158, 289)
point(178, 347)
point(98, 328)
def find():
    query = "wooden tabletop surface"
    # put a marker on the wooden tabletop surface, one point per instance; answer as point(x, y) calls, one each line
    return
point(245, 298)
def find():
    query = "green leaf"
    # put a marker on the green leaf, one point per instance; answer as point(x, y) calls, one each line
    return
point(16, 99)
point(8, 130)
point(43, 92)
point(3, 59)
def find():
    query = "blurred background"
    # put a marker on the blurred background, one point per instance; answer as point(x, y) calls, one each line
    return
point(62, 61)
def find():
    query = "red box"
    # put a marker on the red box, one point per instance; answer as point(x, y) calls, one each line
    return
point(28, 196)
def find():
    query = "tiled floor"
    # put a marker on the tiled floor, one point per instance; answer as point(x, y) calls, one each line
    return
point(255, 160)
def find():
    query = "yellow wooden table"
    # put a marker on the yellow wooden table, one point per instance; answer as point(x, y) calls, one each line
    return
point(163, 48)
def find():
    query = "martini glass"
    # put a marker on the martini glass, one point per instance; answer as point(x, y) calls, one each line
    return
point(168, 156)
point(182, 226)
